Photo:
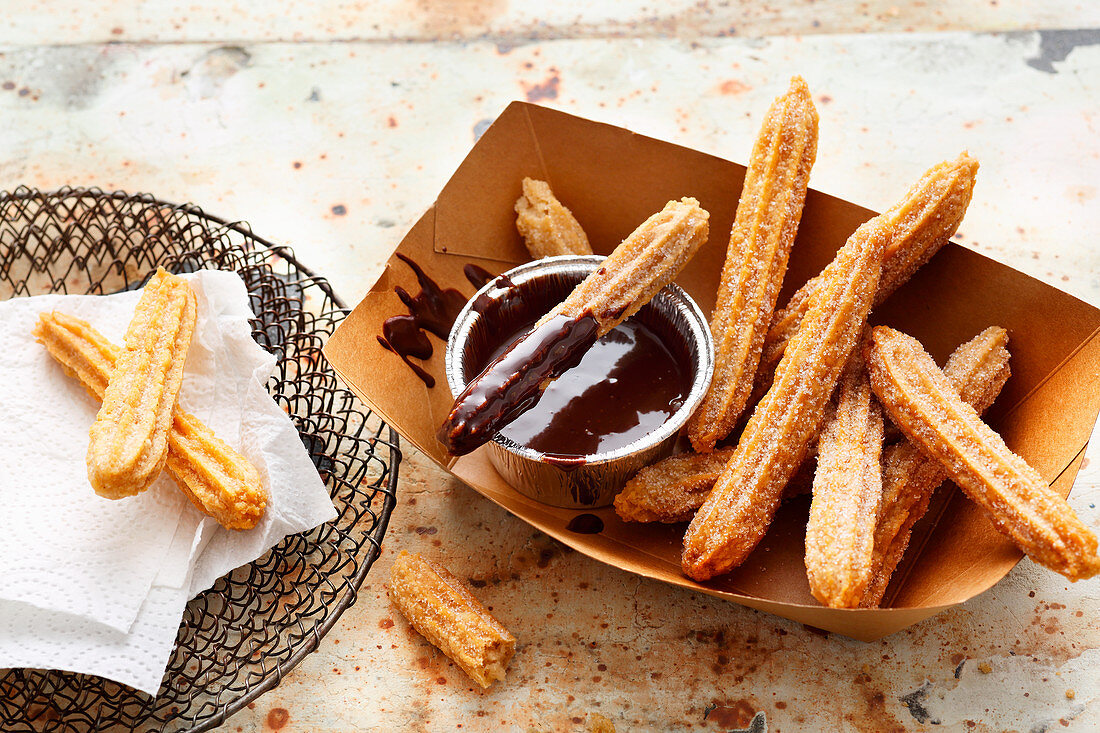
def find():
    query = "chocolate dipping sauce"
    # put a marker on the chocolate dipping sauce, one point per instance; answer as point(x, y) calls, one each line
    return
point(623, 388)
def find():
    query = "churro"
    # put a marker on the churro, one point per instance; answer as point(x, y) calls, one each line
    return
point(847, 489)
point(218, 480)
point(673, 489)
point(767, 220)
point(548, 227)
point(645, 262)
point(441, 608)
point(978, 369)
point(129, 440)
point(923, 221)
point(923, 402)
point(738, 511)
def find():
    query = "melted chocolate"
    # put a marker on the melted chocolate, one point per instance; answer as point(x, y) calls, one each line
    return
point(510, 384)
point(624, 388)
point(478, 276)
point(585, 524)
point(433, 309)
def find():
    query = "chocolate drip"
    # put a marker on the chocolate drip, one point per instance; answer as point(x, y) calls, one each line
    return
point(513, 382)
point(433, 309)
point(585, 524)
point(478, 276)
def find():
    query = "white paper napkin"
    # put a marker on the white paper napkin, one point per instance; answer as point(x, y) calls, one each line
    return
point(84, 628)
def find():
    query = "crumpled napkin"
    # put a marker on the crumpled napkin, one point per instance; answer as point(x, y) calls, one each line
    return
point(98, 586)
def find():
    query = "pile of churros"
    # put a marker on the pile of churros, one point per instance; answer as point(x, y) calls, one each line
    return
point(139, 429)
point(881, 425)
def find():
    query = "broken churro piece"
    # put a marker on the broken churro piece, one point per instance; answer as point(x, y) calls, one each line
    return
point(548, 228)
point(446, 614)
point(978, 369)
point(217, 479)
point(840, 534)
point(644, 263)
point(767, 220)
point(923, 221)
point(738, 511)
point(923, 402)
point(673, 489)
point(129, 440)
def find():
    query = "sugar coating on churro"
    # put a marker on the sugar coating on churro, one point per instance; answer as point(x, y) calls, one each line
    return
point(217, 479)
point(444, 611)
point(738, 511)
point(763, 232)
point(925, 405)
point(547, 226)
point(978, 369)
point(923, 221)
point(673, 489)
point(128, 442)
point(847, 489)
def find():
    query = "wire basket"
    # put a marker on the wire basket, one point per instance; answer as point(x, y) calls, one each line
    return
point(238, 639)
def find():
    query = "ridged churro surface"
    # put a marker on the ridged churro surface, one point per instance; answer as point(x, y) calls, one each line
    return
point(440, 607)
point(547, 226)
point(738, 511)
point(763, 231)
point(129, 439)
point(923, 402)
point(978, 369)
point(217, 479)
point(923, 221)
point(847, 489)
point(673, 489)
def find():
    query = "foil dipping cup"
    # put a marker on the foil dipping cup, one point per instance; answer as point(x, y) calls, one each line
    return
point(592, 480)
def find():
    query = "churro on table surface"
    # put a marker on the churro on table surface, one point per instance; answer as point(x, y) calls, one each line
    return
point(763, 232)
point(847, 490)
point(218, 480)
point(547, 226)
point(925, 404)
point(774, 443)
point(924, 220)
point(645, 262)
point(129, 440)
point(441, 608)
point(978, 369)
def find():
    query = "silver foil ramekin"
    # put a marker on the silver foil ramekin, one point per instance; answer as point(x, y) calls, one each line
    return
point(596, 480)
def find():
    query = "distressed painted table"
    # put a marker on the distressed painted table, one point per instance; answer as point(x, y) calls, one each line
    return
point(330, 128)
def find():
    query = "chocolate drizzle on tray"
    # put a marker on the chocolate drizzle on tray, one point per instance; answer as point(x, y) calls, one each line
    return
point(434, 309)
point(585, 524)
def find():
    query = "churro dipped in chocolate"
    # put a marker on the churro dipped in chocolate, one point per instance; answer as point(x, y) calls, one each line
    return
point(847, 490)
point(924, 220)
point(547, 226)
point(444, 611)
point(760, 242)
point(644, 263)
point(129, 439)
point(924, 403)
point(738, 511)
point(978, 369)
point(218, 480)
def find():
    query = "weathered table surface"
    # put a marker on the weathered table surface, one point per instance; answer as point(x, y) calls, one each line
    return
point(330, 126)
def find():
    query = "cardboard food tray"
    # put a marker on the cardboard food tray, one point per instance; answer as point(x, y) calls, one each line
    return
point(613, 180)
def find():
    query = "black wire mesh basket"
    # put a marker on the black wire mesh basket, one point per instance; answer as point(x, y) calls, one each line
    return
point(238, 639)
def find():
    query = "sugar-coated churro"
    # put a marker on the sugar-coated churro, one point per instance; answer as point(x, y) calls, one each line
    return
point(924, 220)
point(923, 402)
point(847, 489)
point(441, 608)
point(978, 369)
point(217, 479)
point(738, 511)
point(645, 262)
point(547, 226)
point(129, 440)
point(756, 260)
point(673, 489)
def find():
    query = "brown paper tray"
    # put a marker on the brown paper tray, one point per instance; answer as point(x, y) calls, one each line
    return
point(613, 179)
